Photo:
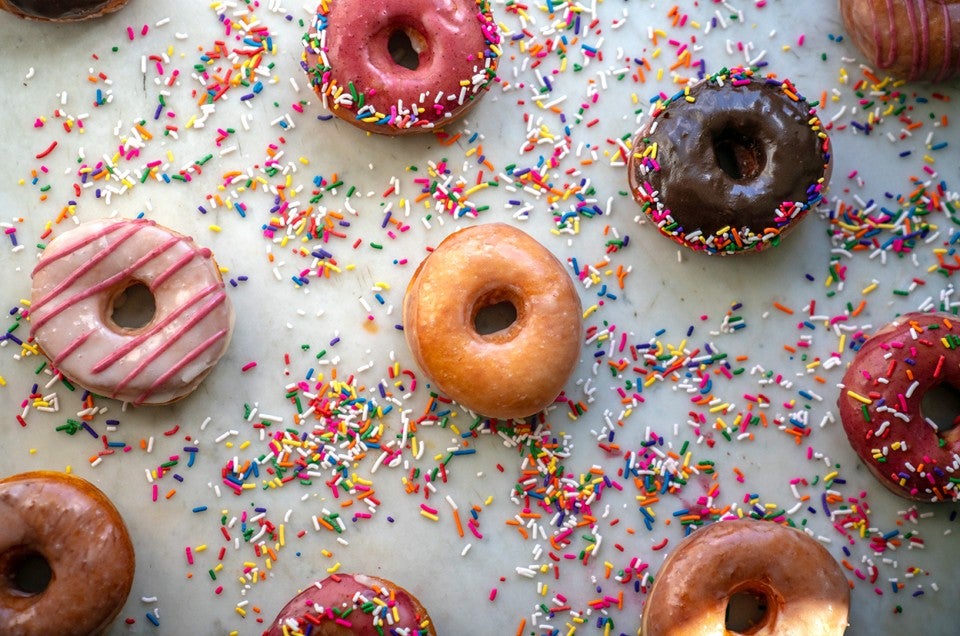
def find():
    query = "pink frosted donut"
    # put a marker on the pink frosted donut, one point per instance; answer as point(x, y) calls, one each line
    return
point(81, 279)
point(356, 604)
point(401, 67)
point(881, 405)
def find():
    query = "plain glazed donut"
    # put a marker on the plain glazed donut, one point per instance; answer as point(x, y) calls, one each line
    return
point(61, 10)
point(730, 164)
point(881, 405)
point(796, 583)
point(907, 39)
point(84, 273)
point(352, 604)
point(401, 67)
point(515, 371)
point(66, 560)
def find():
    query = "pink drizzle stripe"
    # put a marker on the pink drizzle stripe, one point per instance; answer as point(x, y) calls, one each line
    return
point(85, 267)
point(156, 353)
point(206, 344)
point(891, 30)
point(132, 344)
point(173, 269)
point(90, 239)
point(945, 65)
point(105, 283)
point(70, 348)
point(920, 29)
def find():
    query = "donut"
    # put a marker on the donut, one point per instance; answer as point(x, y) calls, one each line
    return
point(344, 604)
point(66, 560)
point(401, 67)
point(730, 164)
point(61, 10)
point(881, 409)
point(746, 576)
point(79, 284)
point(519, 365)
point(906, 39)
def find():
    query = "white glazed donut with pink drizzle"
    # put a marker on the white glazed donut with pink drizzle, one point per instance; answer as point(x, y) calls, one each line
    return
point(80, 277)
point(908, 39)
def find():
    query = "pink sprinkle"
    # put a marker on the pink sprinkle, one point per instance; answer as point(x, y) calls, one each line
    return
point(130, 33)
point(493, 593)
point(248, 366)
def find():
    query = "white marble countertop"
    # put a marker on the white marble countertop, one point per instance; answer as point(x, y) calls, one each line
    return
point(104, 118)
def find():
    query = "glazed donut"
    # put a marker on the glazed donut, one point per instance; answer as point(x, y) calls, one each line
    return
point(401, 67)
point(881, 405)
point(344, 604)
point(83, 276)
point(793, 581)
point(520, 368)
point(907, 39)
point(730, 164)
point(61, 10)
point(66, 560)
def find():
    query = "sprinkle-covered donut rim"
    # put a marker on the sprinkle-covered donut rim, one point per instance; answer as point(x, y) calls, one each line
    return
point(906, 449)
point(406, 114)
point(726, 240)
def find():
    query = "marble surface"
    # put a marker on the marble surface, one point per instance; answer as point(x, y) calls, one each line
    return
point(105, 118)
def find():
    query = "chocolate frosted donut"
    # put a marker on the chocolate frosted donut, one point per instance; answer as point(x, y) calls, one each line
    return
point(731, 163)
point(61, 10)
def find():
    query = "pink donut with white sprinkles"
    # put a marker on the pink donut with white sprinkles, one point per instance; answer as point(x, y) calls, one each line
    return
point(401, 67)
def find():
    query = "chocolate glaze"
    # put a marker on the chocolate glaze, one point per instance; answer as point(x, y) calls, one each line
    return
point(362, 601)
point(742, 156)
point(61, 9)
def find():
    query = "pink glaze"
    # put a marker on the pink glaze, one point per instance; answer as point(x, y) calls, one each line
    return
point(352, 604)
point(351, 69)
point(909, 39)
point(79, 275)
point(880, 405)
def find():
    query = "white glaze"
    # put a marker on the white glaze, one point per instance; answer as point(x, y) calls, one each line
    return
point(79, 274)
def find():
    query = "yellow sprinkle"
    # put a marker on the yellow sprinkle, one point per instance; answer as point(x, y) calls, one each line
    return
point(333, 568)
point(429, 515)
point(214, 228)
point(859, 398)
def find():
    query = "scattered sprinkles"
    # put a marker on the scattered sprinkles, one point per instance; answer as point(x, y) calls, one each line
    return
point(334, 442)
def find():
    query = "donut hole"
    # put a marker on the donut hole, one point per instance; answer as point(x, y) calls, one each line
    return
point(495, 317)
point(739, 155)
point(404, 46)
point(940, 406)
point(133, 307)
point(746, 611)
point(28, 572)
